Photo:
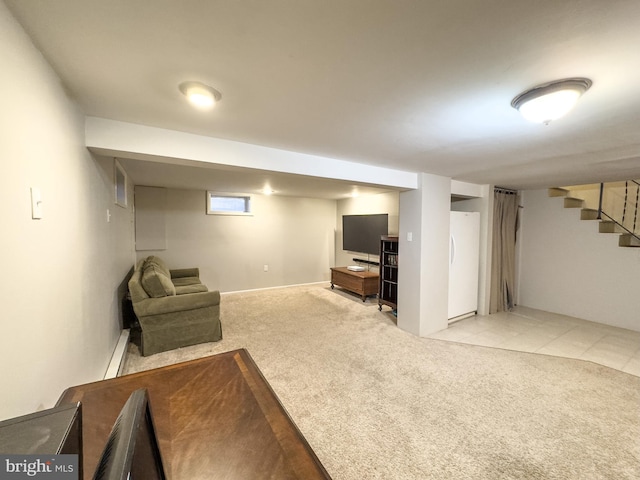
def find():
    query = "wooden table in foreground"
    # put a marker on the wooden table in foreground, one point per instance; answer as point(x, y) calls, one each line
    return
point(215, 418)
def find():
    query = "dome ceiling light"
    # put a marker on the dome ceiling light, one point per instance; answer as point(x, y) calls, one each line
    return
point(200, 95)
point(552, 100)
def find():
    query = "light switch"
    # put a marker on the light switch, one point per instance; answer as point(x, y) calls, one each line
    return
point(409, 236)
point(36, 204)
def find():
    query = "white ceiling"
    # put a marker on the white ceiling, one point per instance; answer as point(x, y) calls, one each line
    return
point(417, 85)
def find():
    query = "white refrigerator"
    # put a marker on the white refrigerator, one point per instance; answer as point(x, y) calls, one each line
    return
point(464, 257)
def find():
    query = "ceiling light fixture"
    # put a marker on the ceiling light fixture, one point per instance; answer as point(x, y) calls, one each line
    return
point(200, 95)
point(552, 100)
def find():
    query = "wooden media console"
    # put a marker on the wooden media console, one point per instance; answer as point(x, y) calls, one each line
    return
point(362, 283)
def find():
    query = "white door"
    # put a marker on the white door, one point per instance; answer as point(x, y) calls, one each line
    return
point(464, 257)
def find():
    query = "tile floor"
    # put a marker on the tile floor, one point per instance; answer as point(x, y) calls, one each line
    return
point(528, 330)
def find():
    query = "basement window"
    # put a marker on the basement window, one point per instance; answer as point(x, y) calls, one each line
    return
point(228, 204)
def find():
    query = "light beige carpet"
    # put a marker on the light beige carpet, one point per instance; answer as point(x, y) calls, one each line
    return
point(375, 402)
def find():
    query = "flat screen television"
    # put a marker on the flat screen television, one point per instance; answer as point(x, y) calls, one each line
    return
point(361, 233)
point(132, 449)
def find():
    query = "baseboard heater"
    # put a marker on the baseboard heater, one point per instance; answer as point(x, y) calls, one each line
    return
point(119, 355)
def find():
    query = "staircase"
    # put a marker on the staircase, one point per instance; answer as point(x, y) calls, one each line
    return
point(620, 214)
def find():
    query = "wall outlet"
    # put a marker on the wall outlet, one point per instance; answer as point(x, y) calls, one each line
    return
point(266, 268)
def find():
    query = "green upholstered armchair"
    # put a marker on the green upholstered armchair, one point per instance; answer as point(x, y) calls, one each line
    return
point(173, 307)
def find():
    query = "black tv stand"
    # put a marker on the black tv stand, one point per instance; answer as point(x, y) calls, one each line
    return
point(368, 262)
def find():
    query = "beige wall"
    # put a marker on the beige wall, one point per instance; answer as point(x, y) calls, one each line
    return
point(293, 236)
point(568, 267)
point(62, 274)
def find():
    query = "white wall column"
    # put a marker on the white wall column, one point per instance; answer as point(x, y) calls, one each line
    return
point(423, 276)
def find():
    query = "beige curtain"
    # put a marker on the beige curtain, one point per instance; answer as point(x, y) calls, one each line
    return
point(503, 258)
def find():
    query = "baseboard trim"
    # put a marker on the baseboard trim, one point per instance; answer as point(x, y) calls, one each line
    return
point(273, 288)
point(119, 355)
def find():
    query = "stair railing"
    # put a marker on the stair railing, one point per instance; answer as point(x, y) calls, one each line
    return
point(618, 208)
